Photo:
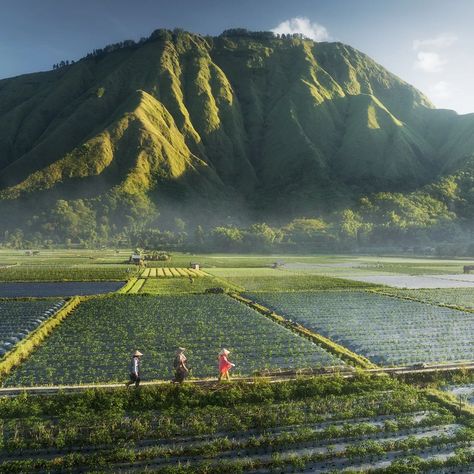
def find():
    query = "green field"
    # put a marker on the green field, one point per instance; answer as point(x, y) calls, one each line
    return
point(324, 424)
point(111, 328)
point(388, 331)
point(67, 273)
point(267, 279)
point(329, 424)
point(182, 285)
point(460, 297)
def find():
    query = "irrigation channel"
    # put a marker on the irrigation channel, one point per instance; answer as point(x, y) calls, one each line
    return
point(272, 377)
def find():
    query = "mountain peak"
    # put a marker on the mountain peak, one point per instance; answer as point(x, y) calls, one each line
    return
point(246, 117)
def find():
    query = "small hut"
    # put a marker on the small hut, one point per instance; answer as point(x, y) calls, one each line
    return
point(136, 259)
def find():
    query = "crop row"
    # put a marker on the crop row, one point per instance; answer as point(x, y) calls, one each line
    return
point(259, 451)
point(339, 351)
point(19, 318)
point(325, 424)
point(111, 328)
point(388, 331)
point(462, 298)
point(24, 347)
point(170, 272)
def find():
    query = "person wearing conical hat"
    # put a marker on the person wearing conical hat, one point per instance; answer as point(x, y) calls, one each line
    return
point(224, 365)
point(179, 365)
point(135, 369)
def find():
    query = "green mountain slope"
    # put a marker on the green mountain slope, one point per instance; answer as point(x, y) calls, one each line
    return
point(236, 123)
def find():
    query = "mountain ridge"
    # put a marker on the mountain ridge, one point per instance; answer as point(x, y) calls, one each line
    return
point(235, 123)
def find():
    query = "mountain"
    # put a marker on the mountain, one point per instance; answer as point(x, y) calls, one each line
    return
point(206, 127)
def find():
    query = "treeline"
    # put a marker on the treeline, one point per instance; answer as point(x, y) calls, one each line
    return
point(348, 231)
point(162, 34)
point(347, 234)
point(437, 220)
point(260, 35)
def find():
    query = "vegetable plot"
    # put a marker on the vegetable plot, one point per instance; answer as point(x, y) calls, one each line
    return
point(18, 318)
point(267, 279)
point(74, 273)
point(388, 331)
point(44, 289)
point(172, 286)
point(324, 424)
point(460, 297)
point(94, 343)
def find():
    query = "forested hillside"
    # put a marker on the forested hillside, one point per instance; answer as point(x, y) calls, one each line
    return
point(179, 131)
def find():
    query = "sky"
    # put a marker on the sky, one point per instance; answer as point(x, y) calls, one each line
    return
point(428, 43)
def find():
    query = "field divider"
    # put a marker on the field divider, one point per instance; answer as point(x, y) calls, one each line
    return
point(417, 300)
point(128, 285)
point(26, 346)
point(340, 351)
point(137, 286)
point(450, 402)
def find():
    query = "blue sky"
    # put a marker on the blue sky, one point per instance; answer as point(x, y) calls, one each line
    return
point(428, 43)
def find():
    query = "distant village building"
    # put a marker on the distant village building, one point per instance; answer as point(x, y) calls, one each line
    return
point(136, 259)
point(194, 266)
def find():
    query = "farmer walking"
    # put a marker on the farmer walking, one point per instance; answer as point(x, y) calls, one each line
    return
point(135, 369)
point(224, 365)
point(179, 365)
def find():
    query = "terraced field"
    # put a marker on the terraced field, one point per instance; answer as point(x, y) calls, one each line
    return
point(312, 425)
point(95, 342)
point(388, 331)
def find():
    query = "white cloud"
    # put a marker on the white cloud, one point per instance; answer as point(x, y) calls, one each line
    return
point(441, 90)
point(441, 41)
point(429, 62)
point(314, 31)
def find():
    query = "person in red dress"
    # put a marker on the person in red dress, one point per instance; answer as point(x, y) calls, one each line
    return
point(224, 365)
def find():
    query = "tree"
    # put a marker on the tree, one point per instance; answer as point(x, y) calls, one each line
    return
point(260, 237)
point(227, 238)
point(349, 225)
point(310, 233)
point(179, 224)
point(73, 220)
point(15, 239)
point(199, 236)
